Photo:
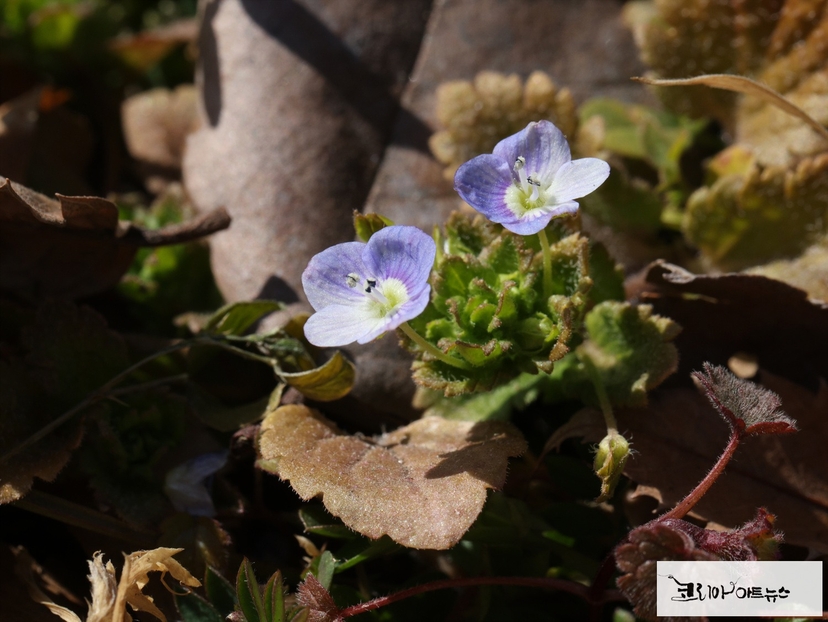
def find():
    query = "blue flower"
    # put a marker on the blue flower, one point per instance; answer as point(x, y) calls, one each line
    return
point(529, 179)
point(360, 291)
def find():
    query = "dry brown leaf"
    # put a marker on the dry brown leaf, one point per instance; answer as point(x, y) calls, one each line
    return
point(156, 124)
point(729, 313)
point(423, 485)
point(679, 436)
point(110, 595)
point(75, 246)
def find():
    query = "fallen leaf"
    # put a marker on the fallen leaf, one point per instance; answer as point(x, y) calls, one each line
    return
point(110, 595)
point(729, 313)
point(297, 104)
point(75, 246)
point(69, 352)
point(156, 124)
point(423, 485)
point(145, 49)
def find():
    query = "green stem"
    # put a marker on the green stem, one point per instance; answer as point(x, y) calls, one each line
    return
point(547, 263)
point(600, 390)
point(431, 349)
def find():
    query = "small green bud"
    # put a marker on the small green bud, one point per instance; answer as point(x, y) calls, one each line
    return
point(610, 459)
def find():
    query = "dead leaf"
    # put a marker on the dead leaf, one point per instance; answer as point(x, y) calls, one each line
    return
point(297, 104)
point(423, 484)
point(729, 313)
point(145, 49)
point(679, 436)
point(75, 246)
point(110, 595)
point(156, 124)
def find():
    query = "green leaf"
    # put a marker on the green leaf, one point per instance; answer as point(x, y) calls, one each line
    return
point(326, 568)
point(194, 608)
point(237, 317)
point(631, 349)
point(220, 591)
point(329, 382)
point(249, 594)
point(361, 550)
point(318, 522)
point(274, 598)
point(367, 225)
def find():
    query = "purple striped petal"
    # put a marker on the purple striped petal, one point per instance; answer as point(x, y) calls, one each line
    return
point(482, 182)
point(542, 145)
point(325, 280)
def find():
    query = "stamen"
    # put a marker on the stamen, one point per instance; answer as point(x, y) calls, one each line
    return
point(519, 166)
point(352, 279)
point(371, 282)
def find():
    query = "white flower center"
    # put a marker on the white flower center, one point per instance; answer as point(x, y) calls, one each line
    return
point(526, 193)
point(382, 297)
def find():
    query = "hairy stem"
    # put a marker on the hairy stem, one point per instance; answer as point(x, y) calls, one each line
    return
point(547, 263)
point(431, 349)
point(600, 390)
point(686, 504)
point(537, 582)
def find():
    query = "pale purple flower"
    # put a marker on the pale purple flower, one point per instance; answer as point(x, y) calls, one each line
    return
point(529, 179)
point(360, 291)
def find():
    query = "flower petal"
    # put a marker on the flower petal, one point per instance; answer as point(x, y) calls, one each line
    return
point(338, 325)
point(404, 253)
point(325, 279)
point(577, 179)
point(542, 144)
point(482, 182)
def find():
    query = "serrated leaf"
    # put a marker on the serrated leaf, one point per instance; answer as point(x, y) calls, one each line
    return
point(326, 383)
point(220, 591)
point(248, 593)
point(235, 318)
point(631, 349)
point(194, 608)
point(397, 483)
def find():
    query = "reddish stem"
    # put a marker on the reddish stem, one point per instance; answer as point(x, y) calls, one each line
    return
point(544, 583)
point(686, 504)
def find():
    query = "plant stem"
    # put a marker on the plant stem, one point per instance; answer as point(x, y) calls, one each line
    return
point(547, 263)
point(77, 515)
point(600, 390)
point(431, 349)
point(538, 582)
point(686, 504)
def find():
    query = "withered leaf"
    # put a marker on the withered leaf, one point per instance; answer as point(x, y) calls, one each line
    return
point(69, 352)
point(679, 436)
point(731, 313)
point(75, 246)
point(423, 484)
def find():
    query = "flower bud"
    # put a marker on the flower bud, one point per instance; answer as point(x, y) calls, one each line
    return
point(610, 459)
